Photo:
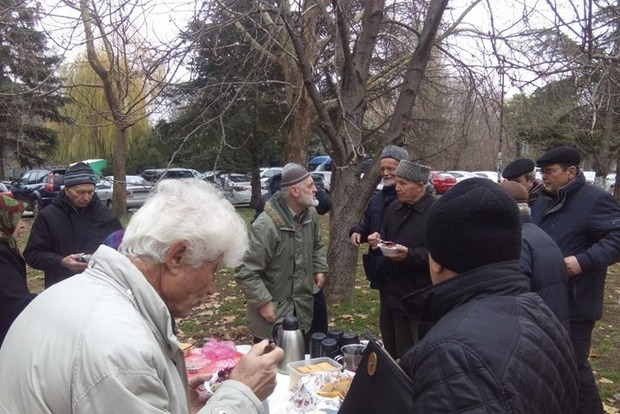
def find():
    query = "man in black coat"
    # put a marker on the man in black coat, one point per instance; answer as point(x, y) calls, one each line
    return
point(541, 258)
point(522, 171)
point(75, 223)
point(373, 216)
point(405, 270)
point(584, 221)
point(495, 347)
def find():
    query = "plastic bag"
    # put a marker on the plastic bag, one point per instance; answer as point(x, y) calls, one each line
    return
point(219, 350)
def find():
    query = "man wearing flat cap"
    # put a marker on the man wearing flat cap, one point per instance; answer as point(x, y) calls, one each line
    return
point(494, 347)
point(75, 223)
point(405, 270)
point(584, 221)
point(522, 171)
point(285, 263)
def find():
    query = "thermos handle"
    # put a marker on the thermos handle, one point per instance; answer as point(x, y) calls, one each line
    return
point(276, 332)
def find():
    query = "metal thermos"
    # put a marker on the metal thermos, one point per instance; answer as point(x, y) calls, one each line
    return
point(288, 336)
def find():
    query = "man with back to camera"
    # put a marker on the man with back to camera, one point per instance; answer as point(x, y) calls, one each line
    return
point(373, 220)
point(407, 270)
point(494, 347)
point(522, 170)
point(541, 258)
point(103, 342)
point(74, 223)
point(286, 262)
point(584, 221)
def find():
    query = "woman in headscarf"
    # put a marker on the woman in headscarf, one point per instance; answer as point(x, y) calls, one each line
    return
point(14, 293)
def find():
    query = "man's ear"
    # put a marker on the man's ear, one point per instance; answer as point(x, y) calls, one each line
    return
point(175, 256)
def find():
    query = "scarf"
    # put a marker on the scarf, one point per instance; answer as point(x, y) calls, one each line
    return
point(11, 212)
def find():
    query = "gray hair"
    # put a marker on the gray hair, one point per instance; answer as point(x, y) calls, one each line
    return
point(187, 210)
point(530, 176)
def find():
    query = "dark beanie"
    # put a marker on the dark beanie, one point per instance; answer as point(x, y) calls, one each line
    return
point(80, 173)
point(474, 224)
point(292, 174)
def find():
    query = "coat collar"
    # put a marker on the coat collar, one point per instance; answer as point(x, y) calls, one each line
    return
point(497, 279)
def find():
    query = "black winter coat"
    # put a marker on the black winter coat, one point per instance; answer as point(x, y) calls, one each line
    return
point(495, 348)
point(585, 222)
point(14, 293)
point(373, 222)
point(404, 224)
point(543, 262)
point(61, 230)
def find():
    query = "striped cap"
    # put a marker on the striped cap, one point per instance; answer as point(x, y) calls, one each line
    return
point(80, 173)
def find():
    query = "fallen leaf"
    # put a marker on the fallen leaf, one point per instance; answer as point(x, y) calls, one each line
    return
point(605, 381)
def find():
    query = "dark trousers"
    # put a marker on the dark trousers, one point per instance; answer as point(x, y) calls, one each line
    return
point(589, 397)
point(319, 319)
point(398, 331)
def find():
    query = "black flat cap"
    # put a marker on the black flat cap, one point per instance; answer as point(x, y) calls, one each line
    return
point(517, 168)
point(560, 155)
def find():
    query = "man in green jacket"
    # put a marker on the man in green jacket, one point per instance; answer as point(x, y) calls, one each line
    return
point(285, 263)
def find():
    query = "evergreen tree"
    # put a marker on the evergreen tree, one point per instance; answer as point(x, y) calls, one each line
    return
point(28, 86)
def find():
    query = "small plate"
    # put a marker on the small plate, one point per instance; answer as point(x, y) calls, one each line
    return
point(388, 250)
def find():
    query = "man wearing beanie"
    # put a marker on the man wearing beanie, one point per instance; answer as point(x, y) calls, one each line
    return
point(286, 262)
point(406, 270)
point(584, 221)
point(522, 170)
point(75, 223)
point(495, 347)
point(373, 216)
point(541, 258)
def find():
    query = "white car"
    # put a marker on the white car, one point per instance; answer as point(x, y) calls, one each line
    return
point(137, 190)
point(237, 188)
point(491, 175)
point(461, 175)
point(610, 181)
point(266, 173)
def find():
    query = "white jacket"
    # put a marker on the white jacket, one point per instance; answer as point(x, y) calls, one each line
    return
point(102, 342)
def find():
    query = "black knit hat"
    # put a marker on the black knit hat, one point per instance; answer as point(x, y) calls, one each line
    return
point(517, 168)
point(80, 173)
point(474, 224)
point(560, 155)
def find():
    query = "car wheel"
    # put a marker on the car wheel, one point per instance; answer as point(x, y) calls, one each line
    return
point(36, 207)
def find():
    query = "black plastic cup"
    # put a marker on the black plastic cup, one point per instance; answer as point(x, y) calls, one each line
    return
point(329, 348)
point(315, 344)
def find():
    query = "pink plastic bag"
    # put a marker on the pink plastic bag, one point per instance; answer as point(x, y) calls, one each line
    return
point(219, 350)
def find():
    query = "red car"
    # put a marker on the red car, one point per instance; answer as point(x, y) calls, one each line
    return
point(442, 181)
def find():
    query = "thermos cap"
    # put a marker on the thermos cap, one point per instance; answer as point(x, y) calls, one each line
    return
point(290, 323)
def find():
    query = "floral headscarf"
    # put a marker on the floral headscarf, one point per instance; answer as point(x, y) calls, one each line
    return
point(10, 213)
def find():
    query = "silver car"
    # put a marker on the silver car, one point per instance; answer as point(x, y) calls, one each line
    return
point(137, 188)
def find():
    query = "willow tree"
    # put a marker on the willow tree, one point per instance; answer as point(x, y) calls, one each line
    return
point(92, 133)
point(128, 67)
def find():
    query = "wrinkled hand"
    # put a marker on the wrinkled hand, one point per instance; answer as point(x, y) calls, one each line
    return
point(400, 255)
point(196, 401)
point(319, 279)
point(573, 268)
point(356, 239)
point(374, 240)
point(73, 262)
point(258, 370)
point(268, 312)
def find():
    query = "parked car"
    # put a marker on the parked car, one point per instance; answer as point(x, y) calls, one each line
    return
point(491, 175)
point(4, 190)
point(237, 188)
point(442, 181)
point(590, 176)
point(266, 173)
point(38, 187)
point(322, 165)
point(137, 190)
point(461, 175)
point(155, 174)
point(610, 181)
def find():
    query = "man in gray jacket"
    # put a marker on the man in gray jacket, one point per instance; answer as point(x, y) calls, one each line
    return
point(103, 341)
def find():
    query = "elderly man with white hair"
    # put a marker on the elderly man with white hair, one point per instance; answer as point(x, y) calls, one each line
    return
point(104, 342)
